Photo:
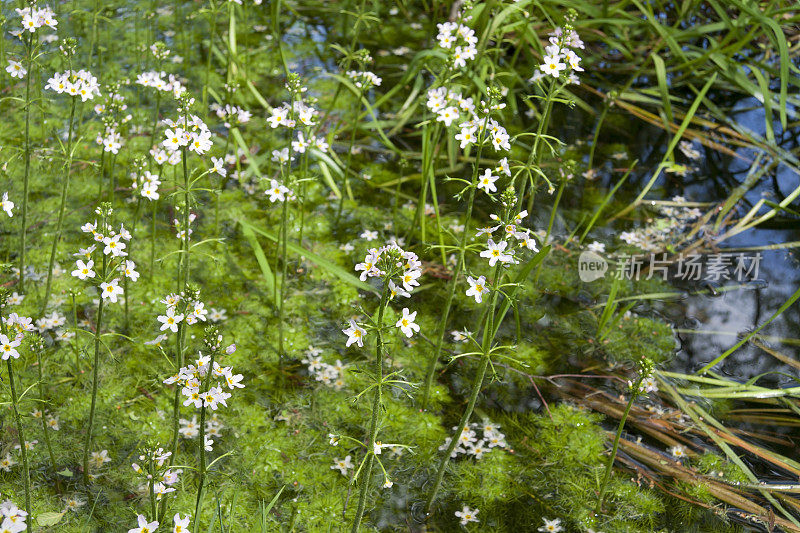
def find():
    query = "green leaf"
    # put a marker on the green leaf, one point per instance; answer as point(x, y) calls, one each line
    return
point(320, 261)
point(266, 271)
point(661, 74)
point(49, 519)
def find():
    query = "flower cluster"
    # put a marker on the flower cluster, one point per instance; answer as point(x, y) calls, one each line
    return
point(331, 375)
point(190, 429)
point(192, 311)
point(154, 470)
point(180, 232)
point(110, 139)
point(156, 80)
point(364, 79)
point(470, 444)
point(190, 379)
point(187, 133)
point(147, 183)
point(111, 114)
point(13, 518)
point(75, 83)
point(401, 271)
point(34, 18)
point(503, 250)
point(460, 40)
point(287, 115)
point(231, 114)
point(560, 56)
point(449, 105)
point(113, 259)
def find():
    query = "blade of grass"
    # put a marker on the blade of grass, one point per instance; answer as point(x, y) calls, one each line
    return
point(328, 266)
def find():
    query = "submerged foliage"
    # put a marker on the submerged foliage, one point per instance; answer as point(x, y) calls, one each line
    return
point(315, 266)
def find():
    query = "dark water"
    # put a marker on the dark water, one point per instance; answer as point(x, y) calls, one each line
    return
point(719, 320)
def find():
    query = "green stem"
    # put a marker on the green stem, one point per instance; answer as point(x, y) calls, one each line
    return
point(61, 209)
point(202, 470)
point(41, 397)
point(151, 484)
point(25, 184)
point(283, 271)
point(95, 369)
point(176, 401)
point(376, 408)
point(550, 226)
point(22, 446)
point(20, 434)
point(477, 384)
point(615, 447)
point(153, 240)
point(544, 125)
point(431, 370)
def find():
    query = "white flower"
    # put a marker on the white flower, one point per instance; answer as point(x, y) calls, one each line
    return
point(406, 323)
point(552, 65)
point(496, 252)
point(394, 290)
point(551, 525)
point(277, 191)
point(467, 515)
point(130, 271)
point(8, 347)
point(7, 205)
point(15, 298)
point(574, 61)
point(219, 166)
point(678, 451)
point(410, 279)
point(111, 290)
point(369, 235)
point(503, 167)
point(201, 142)
point(486, 182)
point(170, 320)
point(181, 524)
point(83, 270)
point(342, 465)
point(447, 115)
point(15, 69)
point(175, 139)
point(217, 315)
point(477, 287)
point(649, 384)
point(597, 247)
point(113, 246)
point(466, 136)
point(144, 526)
point(150, 191)
point(355, 333)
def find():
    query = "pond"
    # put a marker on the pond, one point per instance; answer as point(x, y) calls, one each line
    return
point(416, 265)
